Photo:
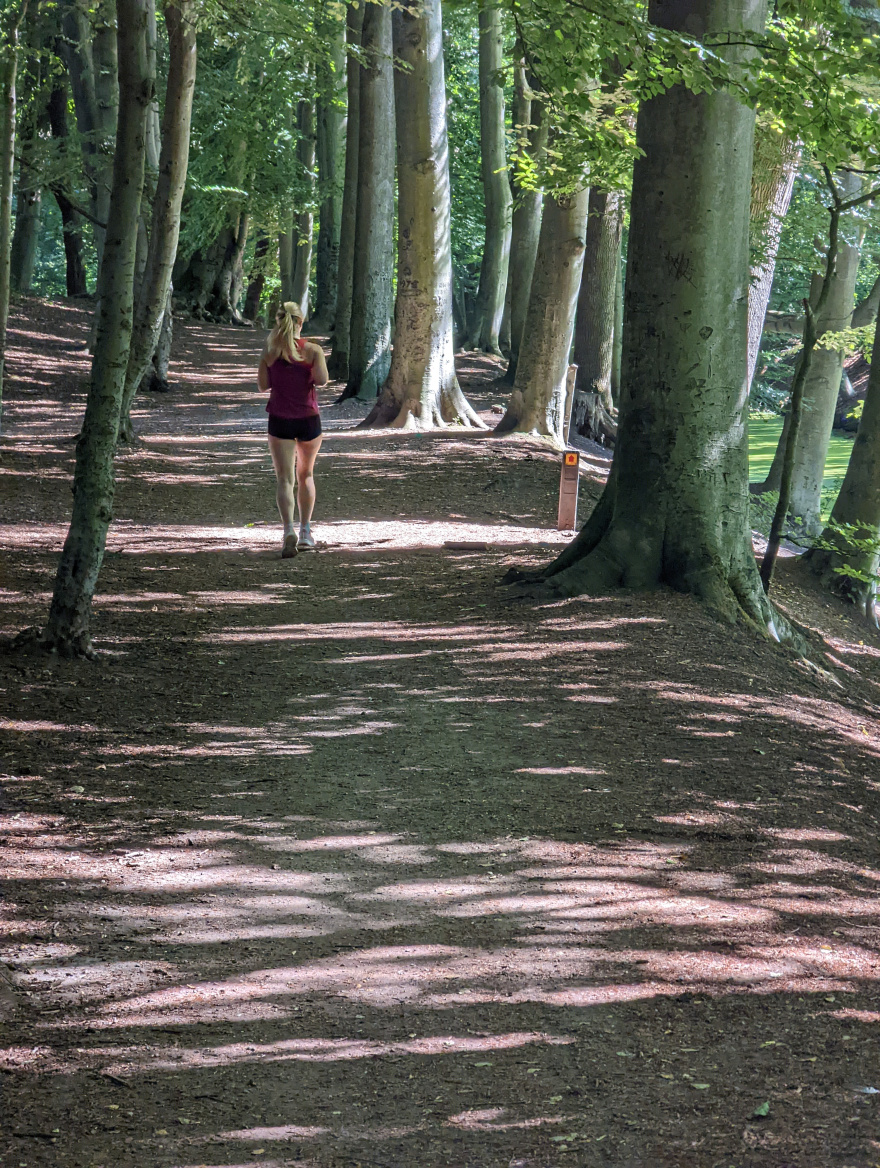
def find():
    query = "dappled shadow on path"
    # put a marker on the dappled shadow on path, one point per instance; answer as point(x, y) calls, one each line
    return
point(352, 859)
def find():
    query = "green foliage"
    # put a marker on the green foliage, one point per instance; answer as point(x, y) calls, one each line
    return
point(849, 341)
point(461, 53)
point(852, 542)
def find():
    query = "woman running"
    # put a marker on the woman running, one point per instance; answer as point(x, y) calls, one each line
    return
point(290, 370)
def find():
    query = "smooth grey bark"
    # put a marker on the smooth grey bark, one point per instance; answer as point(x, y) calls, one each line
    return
point(26, 236)
point(155, 380)
point(370, 330)
point(68, 627)
point(537, 401)
point(525, 223)
point(617, 352)
point(521, 117)
point(257, 278)
point(775, 166)
point(338, 363)
point(489, 307)
point(330, 143)
point(153, 288)
point(676, 508)
point(304, 220)
point(821, 388)
point(9, 48)
point(104, 57)
point(848, 570)
point(594, 324)
point(422, 390)
point(75, 272)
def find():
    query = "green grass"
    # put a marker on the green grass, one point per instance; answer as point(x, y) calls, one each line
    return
point(763, 438)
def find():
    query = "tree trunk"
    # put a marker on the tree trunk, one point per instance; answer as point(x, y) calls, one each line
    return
point(26, 237)
point(106, 72)
point(67, 630)
point(338, 363)
point(617, 352)
point(496, 185)
point(773, 174)
point(594, 325)
point(75, 271)
point(153, 289)
point(210, 283)
point(845, 567)
point(9, 32)
point(370, 330)
point(75, 48)
point(254, 293)
point(330, 142)
point(820, 390)
point(155, 380)
point(304, 221)
point(525, 226)
point(538, 399)
point(676, 508)
point(422, 391)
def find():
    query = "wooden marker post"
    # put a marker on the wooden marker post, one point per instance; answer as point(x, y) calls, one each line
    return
point(568, 491)
point(569, 479)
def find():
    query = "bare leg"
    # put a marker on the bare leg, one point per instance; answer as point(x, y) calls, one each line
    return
point(306, 453)
point(283, 453)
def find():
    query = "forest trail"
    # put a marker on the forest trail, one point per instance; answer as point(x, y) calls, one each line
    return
point(355, 860)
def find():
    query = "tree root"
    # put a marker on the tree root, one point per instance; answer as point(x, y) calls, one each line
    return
point(36, 640)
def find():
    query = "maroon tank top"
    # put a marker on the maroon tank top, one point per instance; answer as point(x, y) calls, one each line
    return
point(292, 388)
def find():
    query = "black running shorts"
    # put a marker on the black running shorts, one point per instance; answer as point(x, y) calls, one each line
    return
point(298, 429)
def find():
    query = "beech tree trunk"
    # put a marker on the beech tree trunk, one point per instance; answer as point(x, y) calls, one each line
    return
point(211, 281)
point(304, 221)
point(10, 23)
point(422, 390)
point(617, 352)
point(153, 289)
point(67, 630)
point(594, 324)
point(370, 330)
point(820, 391)
point(775, 167)
point(538, 399)
point(338, 363)
point(254, 294)
point(330, 140)
point(75, 272)
point(525, 224)
point(676, 508)
point(104, 57)
point(496, 185)
point(26, 236)
point(155, 380)
point(849, 570)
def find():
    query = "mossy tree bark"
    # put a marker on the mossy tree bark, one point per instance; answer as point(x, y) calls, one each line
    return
point(676, 508)
point(537, 401)
point(338, 363)
point(67, 630)
point(330, 141)
point(821, 387)
point(152, 293)
point(369, 355)
point(846, 568)
point(594, 324)
point(422, 390)
point(526, 219)
point(775, 166)
point(10, 24)
point(489, 307)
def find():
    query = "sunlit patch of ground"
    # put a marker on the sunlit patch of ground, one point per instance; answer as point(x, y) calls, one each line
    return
point(353, 859)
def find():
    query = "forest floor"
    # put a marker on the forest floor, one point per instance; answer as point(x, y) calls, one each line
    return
point(355, 859)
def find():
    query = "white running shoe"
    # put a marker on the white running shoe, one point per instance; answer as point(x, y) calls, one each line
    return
point(289, 546)
point(306, 539)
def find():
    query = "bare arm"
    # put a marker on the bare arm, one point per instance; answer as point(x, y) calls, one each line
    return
point(319, 363)
point(263, 375)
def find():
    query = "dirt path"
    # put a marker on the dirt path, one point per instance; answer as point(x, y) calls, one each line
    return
point(353, 860)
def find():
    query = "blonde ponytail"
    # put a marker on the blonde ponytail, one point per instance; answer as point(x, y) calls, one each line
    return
point(282, 339)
